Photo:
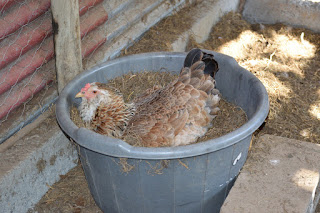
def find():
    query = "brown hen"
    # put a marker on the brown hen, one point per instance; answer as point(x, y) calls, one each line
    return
point(174, 115)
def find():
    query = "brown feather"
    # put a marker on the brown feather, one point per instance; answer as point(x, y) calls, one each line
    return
point(170, 116)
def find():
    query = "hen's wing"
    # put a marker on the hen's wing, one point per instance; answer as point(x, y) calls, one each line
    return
point(147, 93)
point(180, 112)
point(112, 118)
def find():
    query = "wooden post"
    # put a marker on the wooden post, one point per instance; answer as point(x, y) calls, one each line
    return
point(67, 40)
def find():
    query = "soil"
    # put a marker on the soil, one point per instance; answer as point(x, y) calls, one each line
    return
point(285, 59)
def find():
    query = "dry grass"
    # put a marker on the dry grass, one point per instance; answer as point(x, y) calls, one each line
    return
point(70, 194)
point(160, 37)
point(229, 118)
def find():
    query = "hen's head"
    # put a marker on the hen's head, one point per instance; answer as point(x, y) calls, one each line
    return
point(94, 93)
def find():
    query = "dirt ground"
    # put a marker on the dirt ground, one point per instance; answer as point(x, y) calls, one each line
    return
point(285, 59)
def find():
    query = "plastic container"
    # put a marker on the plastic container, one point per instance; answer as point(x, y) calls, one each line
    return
point(193, 178)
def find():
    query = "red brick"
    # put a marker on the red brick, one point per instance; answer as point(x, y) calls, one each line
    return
point(85, 5)
point(21, 16)
point(26, 65)
point(91, 42)
point(21, 42)
point(5, 4)
point(93, 19)
point(22, 93)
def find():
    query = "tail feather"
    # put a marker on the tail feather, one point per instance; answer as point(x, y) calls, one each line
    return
point(196, 55)
point(211, 65)
point(199, 71)
point(193, 56)
point(207, 86)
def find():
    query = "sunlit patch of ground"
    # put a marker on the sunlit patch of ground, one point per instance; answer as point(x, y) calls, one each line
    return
point(287, 61)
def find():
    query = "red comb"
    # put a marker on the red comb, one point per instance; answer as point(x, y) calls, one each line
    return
point(86, 87)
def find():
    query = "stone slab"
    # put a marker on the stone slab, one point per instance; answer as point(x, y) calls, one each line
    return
point(34, 162)
point(301, 13)
point(206, 15)
point(280, 175)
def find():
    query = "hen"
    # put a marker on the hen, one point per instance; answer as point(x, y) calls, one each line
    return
point(174, 115)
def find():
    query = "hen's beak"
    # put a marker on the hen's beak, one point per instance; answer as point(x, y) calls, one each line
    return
point(79, 95)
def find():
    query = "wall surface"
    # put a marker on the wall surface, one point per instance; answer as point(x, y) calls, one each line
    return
point(32, 164)
point(302, 13)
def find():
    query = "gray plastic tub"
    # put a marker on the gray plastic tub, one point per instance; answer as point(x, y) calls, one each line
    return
point(193, 178)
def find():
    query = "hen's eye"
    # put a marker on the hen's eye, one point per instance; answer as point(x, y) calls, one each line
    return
point(94, 91)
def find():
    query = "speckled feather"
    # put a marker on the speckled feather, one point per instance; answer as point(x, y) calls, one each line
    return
point(174, 115)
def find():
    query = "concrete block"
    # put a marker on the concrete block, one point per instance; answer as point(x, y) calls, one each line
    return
point(299, 13)
point(280, 175)
point(181, 43)
point(32, 164)
point(129, 17)
point(206, 15)
point(211, 14)
point(114, 7)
